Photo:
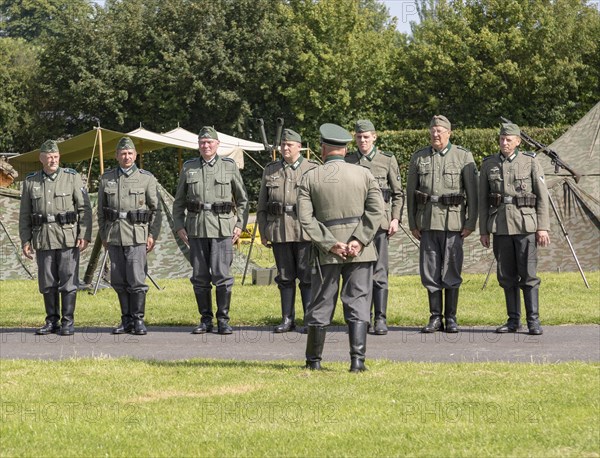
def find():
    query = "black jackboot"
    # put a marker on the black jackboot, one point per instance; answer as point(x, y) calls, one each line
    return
point(223, 303)
point(314, 346)
point(52, 306)
point(306, 295)
point(380, 299)
point(68, 301)
point(513, 308)
point(435, 308)
point(288, 299)
point(450, 306)
point(532, 307)
point(357, 332)
point(204, 301)
point(126, 325)
point(137, 302)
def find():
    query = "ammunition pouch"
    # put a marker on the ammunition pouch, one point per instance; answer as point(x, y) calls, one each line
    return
point(217, 207)
point(526, 200)
point(37, 219)
point(494, 199)
point(451, 200)
point(522, 200)
point(139, 216)
point(387, 194)
point(133, 216)
point(421, 197)
point(277, 208)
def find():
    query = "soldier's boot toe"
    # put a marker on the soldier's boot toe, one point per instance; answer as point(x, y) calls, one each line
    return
point(509, 326)
point(357, 365)
point(224, 328)
point(67, 330)
point(139, 328)
point(435, 324)
point(380, 328)
point(313, 365)
point(535, 329)
point(203, 328)
point(48, 328)
point(124, 328)
point(451, 326)
point(286, 325)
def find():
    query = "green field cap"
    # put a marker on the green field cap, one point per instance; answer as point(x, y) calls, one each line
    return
point(125, 143)
point(49, 146)
point(208, 132)
point(364, 125)
point(509, 128)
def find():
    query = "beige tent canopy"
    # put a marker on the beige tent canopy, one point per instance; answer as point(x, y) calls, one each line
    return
point(102, 142)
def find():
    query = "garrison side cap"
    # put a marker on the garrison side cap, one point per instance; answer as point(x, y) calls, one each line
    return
point(290, 135)
point(364, 125)
point(125, 143)
point(208, 132)
point(334, 135)
point(49, 146)
point(440, 120)
point(508, 128)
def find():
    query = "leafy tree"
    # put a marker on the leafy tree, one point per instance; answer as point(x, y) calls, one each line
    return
point(534, 61)
point(18, 67)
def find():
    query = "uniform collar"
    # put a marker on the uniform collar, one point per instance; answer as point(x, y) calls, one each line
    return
point(51, 177)
point(511, 157)
point(210, 163)
point(129, 171)
point(369, 155)
point(442, 152)
point(337, 157)
point(293, 165)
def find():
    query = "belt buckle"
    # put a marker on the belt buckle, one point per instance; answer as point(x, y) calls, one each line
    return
point(207, 206)
point(51, 218)
point(289, 208)
point(122, 215)
point(434, 199)
point(508, 199)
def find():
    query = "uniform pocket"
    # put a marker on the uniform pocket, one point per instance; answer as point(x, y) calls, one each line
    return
point(110, 195)
point(452, 179)
point(63, 201)
point(137, 198)
point(193, 184)
point(140, 233)
point(529, 219)
point(223, 188)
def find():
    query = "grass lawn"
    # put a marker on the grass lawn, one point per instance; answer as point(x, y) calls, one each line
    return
point(126, 407)
point(564, 299)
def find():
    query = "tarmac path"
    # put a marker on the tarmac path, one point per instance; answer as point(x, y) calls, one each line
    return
point(472, 344)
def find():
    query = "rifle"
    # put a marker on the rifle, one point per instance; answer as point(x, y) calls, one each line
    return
point(555, 160)
point(558, 163)
point(273, 150)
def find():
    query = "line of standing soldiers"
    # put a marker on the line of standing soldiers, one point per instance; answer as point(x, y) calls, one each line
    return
point(322, 221)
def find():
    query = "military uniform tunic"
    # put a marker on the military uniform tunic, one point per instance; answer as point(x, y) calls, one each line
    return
point(277, 219)
point(339, 202)
point(513, 227)
point(57, 256)
point(450, 172)
point(206, 183)
point(123, 192)
point(384, 167)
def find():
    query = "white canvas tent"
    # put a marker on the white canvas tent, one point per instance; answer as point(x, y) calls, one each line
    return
point(100, 142)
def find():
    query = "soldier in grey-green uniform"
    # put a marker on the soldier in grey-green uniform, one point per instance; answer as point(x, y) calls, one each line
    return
point(340, 207)
point(55, 220)
point(280, 229)
point(384, 167)
point(210, 212)
point(441, 198)
point(513, 205)
point(129, 223)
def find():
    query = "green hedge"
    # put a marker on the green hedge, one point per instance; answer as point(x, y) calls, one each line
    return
point(481, 142)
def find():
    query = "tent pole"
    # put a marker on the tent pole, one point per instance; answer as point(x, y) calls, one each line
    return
point(93, 262)
point(565, 233)
point(141, 154)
